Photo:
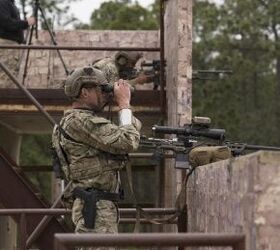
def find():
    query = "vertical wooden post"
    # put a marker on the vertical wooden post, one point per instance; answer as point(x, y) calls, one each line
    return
point(178, 51)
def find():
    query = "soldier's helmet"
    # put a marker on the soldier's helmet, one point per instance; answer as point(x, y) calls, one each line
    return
point(81, 77)
point(124, 57)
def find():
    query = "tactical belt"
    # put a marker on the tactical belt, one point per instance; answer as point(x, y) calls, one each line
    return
point(91, 197)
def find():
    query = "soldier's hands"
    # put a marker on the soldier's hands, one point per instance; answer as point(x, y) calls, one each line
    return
point(31, 20)
point(143, 78)
point(122, 94)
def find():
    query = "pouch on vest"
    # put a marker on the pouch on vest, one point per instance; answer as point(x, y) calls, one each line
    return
point(60, 163)
point(57, 168)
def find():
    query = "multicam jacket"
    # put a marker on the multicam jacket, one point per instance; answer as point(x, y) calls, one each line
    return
point(111, 71)
point(96, 149)
point(109, 68)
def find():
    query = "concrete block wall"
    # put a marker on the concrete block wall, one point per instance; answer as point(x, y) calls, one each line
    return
point(45, 69)
point(236, 196)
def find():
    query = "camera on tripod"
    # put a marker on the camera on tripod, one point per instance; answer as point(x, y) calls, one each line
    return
point(36, 9)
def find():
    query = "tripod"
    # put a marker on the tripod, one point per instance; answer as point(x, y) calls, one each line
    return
point(37, 7)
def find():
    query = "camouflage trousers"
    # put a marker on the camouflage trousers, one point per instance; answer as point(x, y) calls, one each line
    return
point(106, 220)
point(10, 58)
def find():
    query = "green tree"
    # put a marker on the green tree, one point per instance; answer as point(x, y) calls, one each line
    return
point(35, 151)
point(241, 35)
point(55, 10)
point(122, 15)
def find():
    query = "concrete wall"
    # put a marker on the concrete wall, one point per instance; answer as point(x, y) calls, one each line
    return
point(45, 69)
point(238, 195)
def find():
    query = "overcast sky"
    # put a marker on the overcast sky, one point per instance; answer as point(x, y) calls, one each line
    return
point(82, 9)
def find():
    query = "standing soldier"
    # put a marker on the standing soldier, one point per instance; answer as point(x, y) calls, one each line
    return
point(11, 33)
point(94, 148)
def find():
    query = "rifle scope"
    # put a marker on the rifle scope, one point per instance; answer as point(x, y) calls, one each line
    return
point(216, 134)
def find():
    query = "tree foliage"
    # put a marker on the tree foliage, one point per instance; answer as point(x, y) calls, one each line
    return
point(56, 11)
point(123, 15)
point(242, 35)
point(35, 151)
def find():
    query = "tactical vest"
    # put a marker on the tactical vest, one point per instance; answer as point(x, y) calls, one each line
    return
point(109, 68)
point(84, 161)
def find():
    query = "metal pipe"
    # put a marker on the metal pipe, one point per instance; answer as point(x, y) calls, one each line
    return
point(52, 47)
point(23, 232)
point(154, 211)
point(145, 221)
point(49, 168)
point(27, 55)
point(154, 239)
point(59, 211)
point(43, 223)
point(37, 211)
point(62, 211)
point(161, 169)
point(27, 93)
point(53, 39)
point(162, 59)
point(149, 155)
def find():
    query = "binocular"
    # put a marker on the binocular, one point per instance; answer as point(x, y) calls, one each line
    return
point(109, 88)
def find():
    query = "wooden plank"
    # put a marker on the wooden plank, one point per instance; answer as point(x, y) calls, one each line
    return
point(144, 98)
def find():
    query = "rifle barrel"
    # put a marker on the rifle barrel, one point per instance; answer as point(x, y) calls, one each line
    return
point(258, 147)
point(238, 148)
point(213, 71)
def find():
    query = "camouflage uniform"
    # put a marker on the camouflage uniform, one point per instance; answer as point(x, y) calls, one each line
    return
point(96, 139)
point(10, 59)
point(109, 68)
point(112, 66)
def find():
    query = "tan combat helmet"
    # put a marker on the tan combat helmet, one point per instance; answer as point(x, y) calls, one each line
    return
point(83, 76)
point(124, 57)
